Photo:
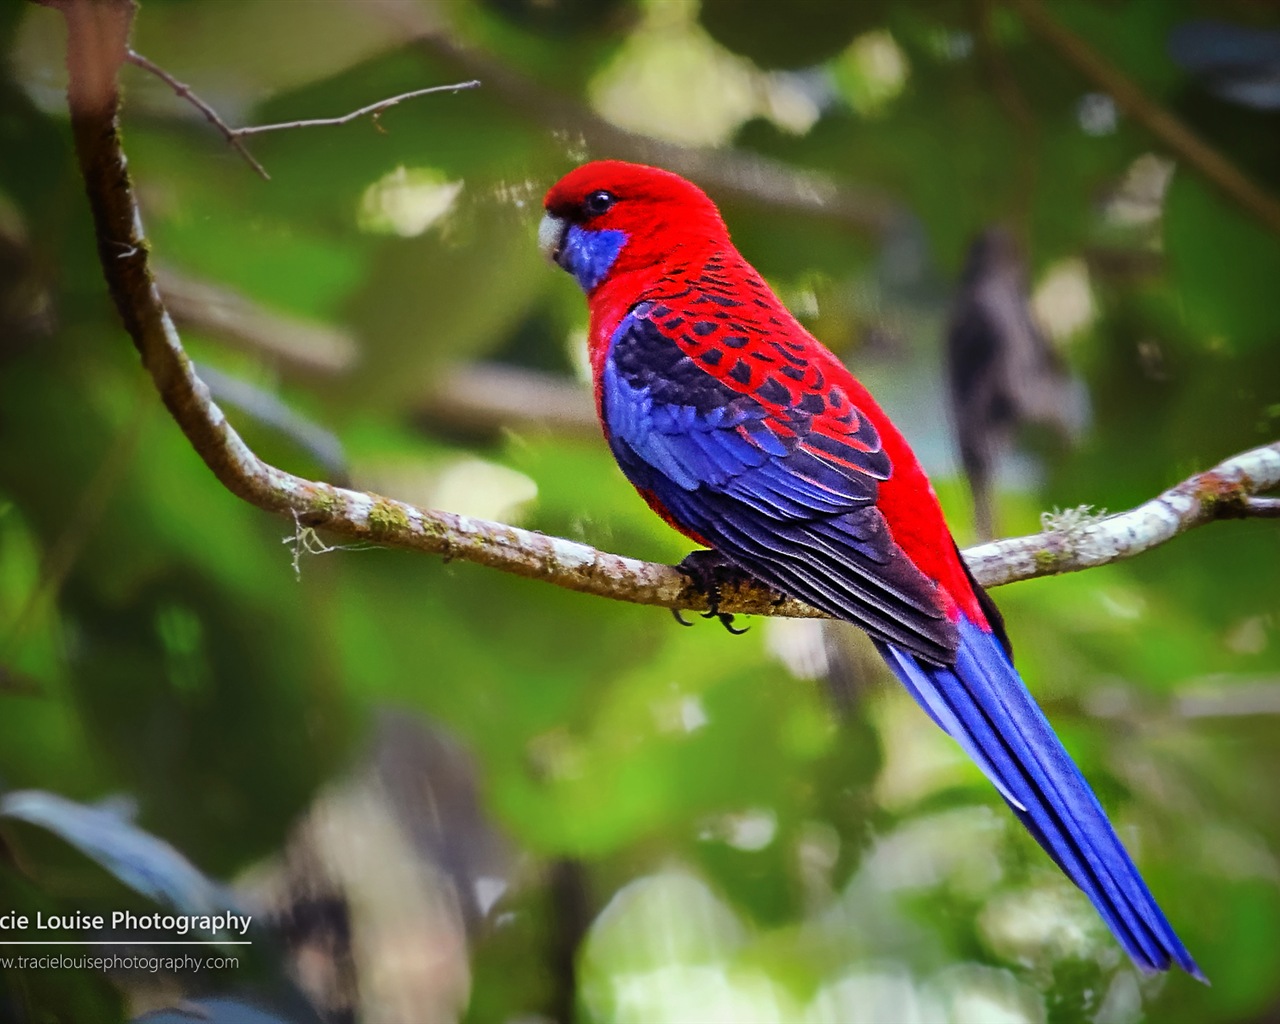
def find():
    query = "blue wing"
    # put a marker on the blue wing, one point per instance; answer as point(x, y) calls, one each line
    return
point(794, 508)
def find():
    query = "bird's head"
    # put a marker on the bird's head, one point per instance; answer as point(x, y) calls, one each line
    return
point(609, 218)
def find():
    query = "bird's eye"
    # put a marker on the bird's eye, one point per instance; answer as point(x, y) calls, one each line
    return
point(598, 202)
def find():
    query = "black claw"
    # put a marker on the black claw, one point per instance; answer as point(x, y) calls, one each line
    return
point(710, 571)
point(675, 612)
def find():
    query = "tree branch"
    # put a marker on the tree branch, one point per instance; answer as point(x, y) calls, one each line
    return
point(185, 92)
point(97, 44)
point(1261, 508)
point(270, 410)
point(372, 110)
point(235, 135)
point(1081, 542)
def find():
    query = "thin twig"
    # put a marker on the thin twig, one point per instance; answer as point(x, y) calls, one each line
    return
point(187, 93)
point(97, 31)
point(235, 135)
point(1260, 508)
point(372, 110)
point(1130, 98)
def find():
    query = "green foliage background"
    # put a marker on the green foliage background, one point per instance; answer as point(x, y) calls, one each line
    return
point(760, 855)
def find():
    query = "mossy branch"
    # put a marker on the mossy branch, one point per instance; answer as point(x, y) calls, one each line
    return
point(98, 34)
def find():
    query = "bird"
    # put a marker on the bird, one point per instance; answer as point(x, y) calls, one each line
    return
point(1003, 373)
point(750, 437)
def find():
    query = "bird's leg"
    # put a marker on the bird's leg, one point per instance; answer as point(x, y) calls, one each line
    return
point(710, 571)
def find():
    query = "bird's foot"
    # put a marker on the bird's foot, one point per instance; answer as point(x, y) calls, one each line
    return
point(710, 572)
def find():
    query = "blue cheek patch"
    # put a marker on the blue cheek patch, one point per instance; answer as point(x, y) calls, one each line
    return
point(588, 255)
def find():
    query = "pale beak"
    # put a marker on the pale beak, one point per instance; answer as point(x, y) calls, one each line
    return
point(551, 234)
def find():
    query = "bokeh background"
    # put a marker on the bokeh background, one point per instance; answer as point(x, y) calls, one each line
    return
point(458, 795)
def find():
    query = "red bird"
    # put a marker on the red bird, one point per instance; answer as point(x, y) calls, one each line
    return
point(746, 434)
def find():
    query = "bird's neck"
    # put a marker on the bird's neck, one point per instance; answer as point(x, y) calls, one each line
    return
point(667, 274)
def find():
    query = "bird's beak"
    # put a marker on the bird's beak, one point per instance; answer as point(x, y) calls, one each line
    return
point(551, 234)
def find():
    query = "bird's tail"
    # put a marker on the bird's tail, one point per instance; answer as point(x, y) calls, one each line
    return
point(983, 704)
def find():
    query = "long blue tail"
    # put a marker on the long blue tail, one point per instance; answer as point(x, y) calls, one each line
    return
point(983, 704)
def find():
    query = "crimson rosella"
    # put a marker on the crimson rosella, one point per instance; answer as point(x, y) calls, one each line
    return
point(746, 434)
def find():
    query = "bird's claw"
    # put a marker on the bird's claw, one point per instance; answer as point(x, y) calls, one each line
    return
point(726, 620)
point(710, 571)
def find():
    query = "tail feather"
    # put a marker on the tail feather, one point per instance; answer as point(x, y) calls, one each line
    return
point(982, 703)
